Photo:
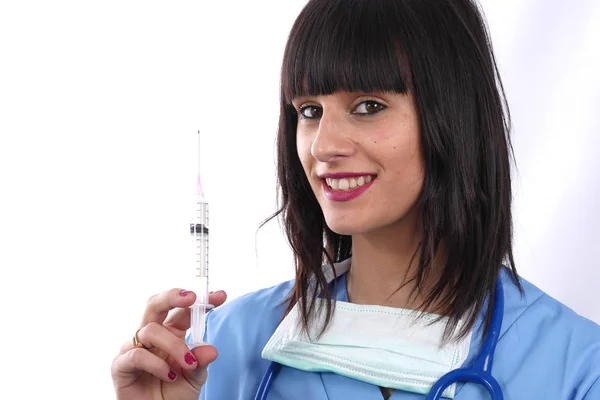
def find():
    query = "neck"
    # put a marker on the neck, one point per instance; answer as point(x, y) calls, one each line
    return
point(381, 264)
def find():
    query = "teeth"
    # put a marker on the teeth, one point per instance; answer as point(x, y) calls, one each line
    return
point(348, 183)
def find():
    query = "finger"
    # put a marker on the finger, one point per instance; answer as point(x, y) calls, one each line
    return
point(127, 367)
point(217, 298)
point(128, 345)
point(180, 318)
point(205, 354)
point(158, 336)
point(159, 305)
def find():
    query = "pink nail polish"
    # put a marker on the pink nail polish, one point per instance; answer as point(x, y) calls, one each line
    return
point(172, 375)
point(184, 293)
point(189, 359)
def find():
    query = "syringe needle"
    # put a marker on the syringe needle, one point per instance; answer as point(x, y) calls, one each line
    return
point(199, 191)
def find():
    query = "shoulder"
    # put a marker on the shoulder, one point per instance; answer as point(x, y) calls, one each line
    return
point(239, 330)
point(547, 344)
point(253, 316)
point(545, 315)
point(262, 305)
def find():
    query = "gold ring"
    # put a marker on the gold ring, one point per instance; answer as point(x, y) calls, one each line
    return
point(137, 343)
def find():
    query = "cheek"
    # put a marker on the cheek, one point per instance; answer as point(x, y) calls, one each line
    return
point(410, 170)
point(380, 137)
point(404, 158)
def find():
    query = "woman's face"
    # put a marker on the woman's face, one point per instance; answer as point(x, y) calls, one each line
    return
point(362, 156)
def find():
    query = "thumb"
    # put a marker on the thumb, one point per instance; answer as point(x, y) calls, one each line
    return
point(205, 354)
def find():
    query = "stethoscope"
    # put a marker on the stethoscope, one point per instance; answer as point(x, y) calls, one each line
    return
point(480, 372)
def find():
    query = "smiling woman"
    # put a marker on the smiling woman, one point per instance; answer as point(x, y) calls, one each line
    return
point(394, 175)
point(435, 138)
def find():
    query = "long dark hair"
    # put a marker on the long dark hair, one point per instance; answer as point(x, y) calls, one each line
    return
point(440, 51)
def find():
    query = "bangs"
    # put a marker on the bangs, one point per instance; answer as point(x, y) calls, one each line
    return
point(349, 45)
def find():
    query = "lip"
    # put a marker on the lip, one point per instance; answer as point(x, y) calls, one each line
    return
point(344, 195)
point(340, 175)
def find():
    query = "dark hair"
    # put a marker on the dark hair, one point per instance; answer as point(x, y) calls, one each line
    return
point(440, 51)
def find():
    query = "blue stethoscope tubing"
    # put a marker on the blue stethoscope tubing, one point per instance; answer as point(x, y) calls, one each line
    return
point(267, 380)
point(480, 372)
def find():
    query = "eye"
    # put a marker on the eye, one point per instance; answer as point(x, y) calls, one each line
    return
point(369, 107)
point(310, 112)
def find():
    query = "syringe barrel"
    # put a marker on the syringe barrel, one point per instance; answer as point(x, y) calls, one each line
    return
point(200, 232)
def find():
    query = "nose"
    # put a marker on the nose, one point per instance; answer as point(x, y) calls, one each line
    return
point(332, 138)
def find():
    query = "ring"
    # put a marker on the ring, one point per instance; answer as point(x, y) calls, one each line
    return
point(137, 343)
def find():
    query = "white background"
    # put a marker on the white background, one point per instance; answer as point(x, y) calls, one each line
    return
point(99, 107)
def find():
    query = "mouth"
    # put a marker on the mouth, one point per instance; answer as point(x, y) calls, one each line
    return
point(344, 187)
point(348, 183)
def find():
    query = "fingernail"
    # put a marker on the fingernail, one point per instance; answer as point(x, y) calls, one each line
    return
point(219, 292)
point(184, 293)
point(172, 375)
point(189, 359)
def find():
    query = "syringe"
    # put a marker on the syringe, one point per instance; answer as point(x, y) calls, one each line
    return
point(199, 231)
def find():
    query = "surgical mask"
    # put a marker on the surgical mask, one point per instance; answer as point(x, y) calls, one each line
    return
point(384, 346)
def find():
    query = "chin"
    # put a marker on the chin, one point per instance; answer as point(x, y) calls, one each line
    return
point(347, 226)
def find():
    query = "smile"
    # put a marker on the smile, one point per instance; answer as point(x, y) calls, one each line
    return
point(346, 188)
point(348, 183)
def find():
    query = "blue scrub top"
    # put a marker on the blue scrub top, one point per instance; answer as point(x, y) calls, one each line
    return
point(546, 351)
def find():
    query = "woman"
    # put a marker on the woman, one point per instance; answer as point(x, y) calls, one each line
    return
point(394, 173)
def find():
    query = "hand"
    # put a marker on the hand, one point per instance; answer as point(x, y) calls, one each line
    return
point(166, 368)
